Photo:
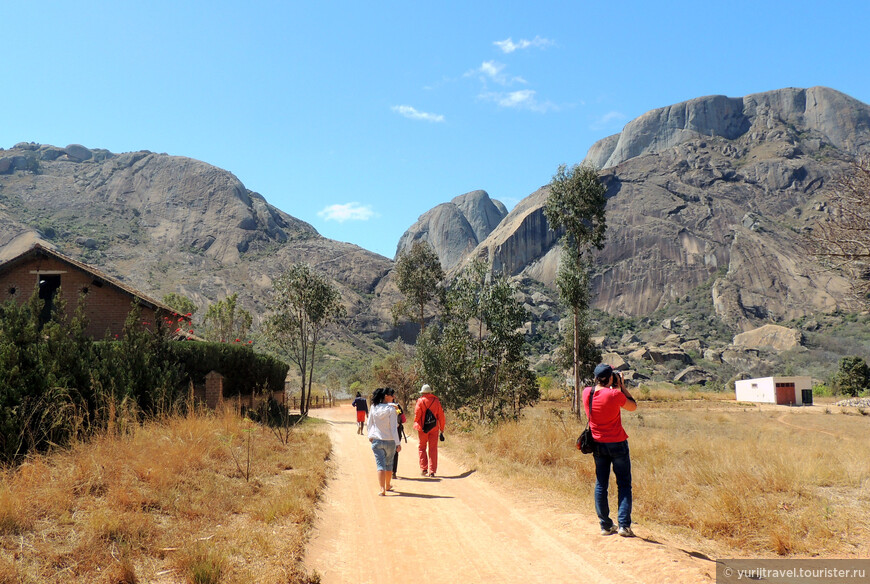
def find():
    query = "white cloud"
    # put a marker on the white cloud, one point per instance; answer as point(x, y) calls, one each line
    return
point(608, 120)
point(494, 71)
point(509, 46)
point(412, 113)
point(347, 212)
point(522, 99)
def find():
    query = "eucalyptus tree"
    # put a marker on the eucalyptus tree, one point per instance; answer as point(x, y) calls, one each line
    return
point(303, 303)
point(418, 275)
point(576, 205)
point(477, 355)
point(225, 320)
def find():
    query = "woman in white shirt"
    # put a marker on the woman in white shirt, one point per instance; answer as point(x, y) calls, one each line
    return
point(384, 435)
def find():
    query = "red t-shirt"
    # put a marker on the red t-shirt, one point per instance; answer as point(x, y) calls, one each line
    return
point(605, 421)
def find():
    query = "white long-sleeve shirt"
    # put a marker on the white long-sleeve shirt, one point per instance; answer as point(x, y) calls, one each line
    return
point(383, 424)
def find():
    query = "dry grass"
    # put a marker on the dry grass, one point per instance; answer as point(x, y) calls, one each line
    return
point(721, 476)
point(165, 503)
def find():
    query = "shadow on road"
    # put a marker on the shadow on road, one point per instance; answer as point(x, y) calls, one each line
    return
point(464, 475)
point(421, 495)
point(691, 554)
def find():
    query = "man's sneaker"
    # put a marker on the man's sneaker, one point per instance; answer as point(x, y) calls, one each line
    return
point(625, 532)
point(425, 473)
point(609, 531)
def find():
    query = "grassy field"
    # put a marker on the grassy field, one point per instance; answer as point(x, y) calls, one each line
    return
point(179, 500)
point(709, 474)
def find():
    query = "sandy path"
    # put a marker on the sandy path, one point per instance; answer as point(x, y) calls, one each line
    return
point(478, 532)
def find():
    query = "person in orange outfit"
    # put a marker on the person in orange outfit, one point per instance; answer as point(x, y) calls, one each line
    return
point(429, 431)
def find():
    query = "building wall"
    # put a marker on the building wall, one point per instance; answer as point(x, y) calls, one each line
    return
point(763, 389)
point(106, 307)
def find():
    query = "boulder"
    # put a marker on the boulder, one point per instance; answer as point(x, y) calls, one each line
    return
point(663, 355)
point(692, 375)
point(78, 153)
point(713, 355)
point(629, 338)
point(694, 345)
point(770, 336)
point(539, 298)
point(615, 361)
point(673, 339)
point(639, 354)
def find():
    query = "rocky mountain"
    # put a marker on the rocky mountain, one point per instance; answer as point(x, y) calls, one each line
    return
point(454, 229)
point(709, 195)
point(170, 224)
point(715, 188)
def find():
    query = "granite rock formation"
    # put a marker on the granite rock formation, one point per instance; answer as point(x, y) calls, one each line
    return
point(454, 229)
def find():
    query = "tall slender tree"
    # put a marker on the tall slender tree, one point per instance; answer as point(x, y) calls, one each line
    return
point(225, 320)
point(418, 274)
point(576, 205)
point(303, 304)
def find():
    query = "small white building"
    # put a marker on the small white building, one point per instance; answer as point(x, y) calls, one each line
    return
point(784, 391)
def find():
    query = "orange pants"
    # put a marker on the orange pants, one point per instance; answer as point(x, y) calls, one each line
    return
point(429, 439)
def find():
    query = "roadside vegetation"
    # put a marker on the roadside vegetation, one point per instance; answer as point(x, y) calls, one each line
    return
point(199, 498)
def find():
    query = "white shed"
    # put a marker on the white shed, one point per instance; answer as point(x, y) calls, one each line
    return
point(776, 390)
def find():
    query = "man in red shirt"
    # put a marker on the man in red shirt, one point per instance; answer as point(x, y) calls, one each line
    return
point(609, 396)
point(428, 436)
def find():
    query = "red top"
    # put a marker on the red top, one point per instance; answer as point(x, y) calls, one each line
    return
point(429, 401)
point(605, 421)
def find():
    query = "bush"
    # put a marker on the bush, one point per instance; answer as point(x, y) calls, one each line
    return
point(852, 378)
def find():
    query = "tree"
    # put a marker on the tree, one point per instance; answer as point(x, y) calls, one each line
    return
point(576, 204)
point(180, 303)
point(842, 237)
point(853, 376)
point(225, 321)
point(303, 304)
point(476, 358)
point(418, 274)
point(400, 371)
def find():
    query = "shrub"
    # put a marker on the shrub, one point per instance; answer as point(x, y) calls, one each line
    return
point(244, 370)
point(853, 377)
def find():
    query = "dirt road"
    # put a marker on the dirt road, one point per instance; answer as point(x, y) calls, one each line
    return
point(459, 527)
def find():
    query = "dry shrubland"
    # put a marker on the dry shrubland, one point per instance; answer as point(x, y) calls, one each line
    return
point(169, 501)
point(723, 477)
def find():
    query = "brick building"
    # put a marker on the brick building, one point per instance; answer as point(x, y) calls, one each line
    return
point(107, 301)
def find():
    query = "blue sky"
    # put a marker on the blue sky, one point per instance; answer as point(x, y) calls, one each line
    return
point(358, 117)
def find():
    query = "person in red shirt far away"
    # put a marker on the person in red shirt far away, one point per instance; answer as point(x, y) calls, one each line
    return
point(609, 396)
point(428, 430)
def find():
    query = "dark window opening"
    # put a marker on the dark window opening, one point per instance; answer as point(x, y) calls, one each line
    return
point(12, 291)
point(48, 285)
point(85, 290)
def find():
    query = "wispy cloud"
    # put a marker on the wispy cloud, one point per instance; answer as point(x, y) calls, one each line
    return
point(509, 46)
point(495, 72)
point(412, 113)
point(524, 99)
point(608, 120)
point(347, 212)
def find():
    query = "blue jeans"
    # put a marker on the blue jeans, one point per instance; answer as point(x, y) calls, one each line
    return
point(384, 451)
point(616, 454)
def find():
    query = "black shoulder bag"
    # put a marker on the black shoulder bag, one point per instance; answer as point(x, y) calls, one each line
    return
point(585, 442)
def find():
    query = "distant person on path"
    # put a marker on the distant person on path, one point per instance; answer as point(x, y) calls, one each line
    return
point(400, 416)
point(384, 435)
point(429, 428)
point(605, 421)
point(362, 410)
